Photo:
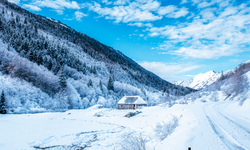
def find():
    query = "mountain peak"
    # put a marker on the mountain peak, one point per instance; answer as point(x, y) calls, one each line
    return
point(200, 81)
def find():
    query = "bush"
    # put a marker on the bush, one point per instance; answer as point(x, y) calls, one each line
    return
point(131, 114)
point(162, 130)
point(133, 141)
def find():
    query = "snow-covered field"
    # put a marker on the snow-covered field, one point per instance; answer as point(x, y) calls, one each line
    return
point(210, 125)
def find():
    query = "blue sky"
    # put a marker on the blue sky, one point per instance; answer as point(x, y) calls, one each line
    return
point(174, 39)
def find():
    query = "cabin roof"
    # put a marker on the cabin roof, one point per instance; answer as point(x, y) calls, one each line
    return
point(132, 100)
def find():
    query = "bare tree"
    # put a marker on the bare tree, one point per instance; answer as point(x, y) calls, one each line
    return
point(132, 141)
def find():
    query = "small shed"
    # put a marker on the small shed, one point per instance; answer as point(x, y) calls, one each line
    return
point(131, 102)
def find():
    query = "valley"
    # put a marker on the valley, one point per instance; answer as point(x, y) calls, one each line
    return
point(211, 125)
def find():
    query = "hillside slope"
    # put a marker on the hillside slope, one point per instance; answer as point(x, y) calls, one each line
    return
point(232, 85)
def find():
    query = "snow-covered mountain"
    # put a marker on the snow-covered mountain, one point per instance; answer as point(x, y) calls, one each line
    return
point(45, 66)
point(200, 81)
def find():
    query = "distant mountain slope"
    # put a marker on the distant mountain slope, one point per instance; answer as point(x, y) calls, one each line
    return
point(232, 85)
point(67, 67)
point(200, 81)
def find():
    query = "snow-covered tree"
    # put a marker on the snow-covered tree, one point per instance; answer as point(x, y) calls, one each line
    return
point(2, 104)
point(62, 98)
point(111, 84)
point(63, 81)
point(40, 59)
point(100, 84)
point(90, 83)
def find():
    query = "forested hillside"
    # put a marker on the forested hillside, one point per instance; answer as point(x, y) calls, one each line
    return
point(46, 66)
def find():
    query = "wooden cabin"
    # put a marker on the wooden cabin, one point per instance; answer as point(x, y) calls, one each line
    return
point(131, 102)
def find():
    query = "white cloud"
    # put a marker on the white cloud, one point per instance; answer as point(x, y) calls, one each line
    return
point(150, 5)
point(107, 2)
point(57, 5)
point(14, 1)
point(213, 33)
point(177, 14)
point(59, 11)
point(141, 35)
point(206, 52)
point(139, 24)
point(208, 14)
point(133, 12)
point(190, 75)
point(166, 10)
point(168, 71)
point(79, 15)
point(204, 3)
point(229, 11)
point(184, 1)
point(121, 2)
point(32, 7)
point(154, 34)
point(172, 11)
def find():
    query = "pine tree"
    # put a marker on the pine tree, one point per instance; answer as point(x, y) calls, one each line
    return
point(84, 70)
point(164, 90)
point(25, 46)
point(35, 56)
point(90, 83)
point(40, 59)
point(62, 98)
point(94, 70)
point(50, 50)
point(45, 62)
point(111, 84)
point(63, 81)
point(1, 25)
point(17, 18)
point(100, 84)
point(56, 67)
point(31, 55)
point(60, 60)
point(25, 21)
point(36, 30)
point(49, 64)
point(2, 104)
point(8, 48)
point(25, 32)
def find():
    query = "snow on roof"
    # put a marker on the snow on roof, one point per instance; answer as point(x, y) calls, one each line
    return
point(132, 100)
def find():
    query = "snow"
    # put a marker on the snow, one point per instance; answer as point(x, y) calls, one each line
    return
point(63, 25)
point(51, 19)
point(200, 81)
point(139, 100)
point(184, 83)
point(210, 125)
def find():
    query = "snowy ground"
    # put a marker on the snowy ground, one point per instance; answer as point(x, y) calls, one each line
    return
point(211, 125)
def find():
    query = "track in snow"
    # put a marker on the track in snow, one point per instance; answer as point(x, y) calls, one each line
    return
point(224, 138)
point(235, 135)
